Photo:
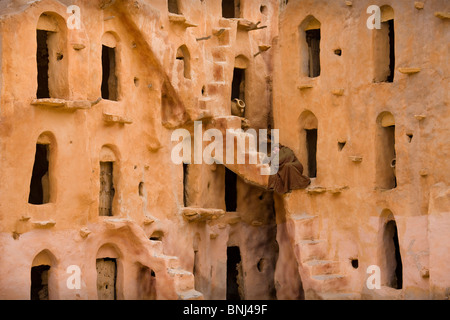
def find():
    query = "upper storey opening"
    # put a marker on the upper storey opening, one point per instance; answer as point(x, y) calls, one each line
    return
point(310, 36)
point(51, 57)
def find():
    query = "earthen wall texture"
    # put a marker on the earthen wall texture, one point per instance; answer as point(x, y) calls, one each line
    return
point(169, 230)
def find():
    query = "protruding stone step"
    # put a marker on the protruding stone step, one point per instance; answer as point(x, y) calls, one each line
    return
point(191, 214)
point(157, 246)
point(190, 295)
point(219, 71)
point(223, 34)
point(219, 53)
point(227, 123)
point(312, 250)
point(305, 227)
point(116, 118)
point(338, 296)
point(172, 261)
point(216, 88)
point(184, 280)
point(328, 282)
point(181, 20)
point(322, 267)
point(62, 104)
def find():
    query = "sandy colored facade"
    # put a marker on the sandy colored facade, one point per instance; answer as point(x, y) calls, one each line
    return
point(87, 180)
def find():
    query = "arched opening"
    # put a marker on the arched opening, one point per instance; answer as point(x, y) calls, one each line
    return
point(110, 82)
point(108, 174)
point(184, 56)
point(41, 276)
point(51, 57)
point(231, 9)
point(238, 86)
point(146, 283)
point(308, 142)
point(107, 272)
point(384, 47)
point(42, 184)
point(392, 261)
point(173, 6)
point(310, 36)
point(385, 154)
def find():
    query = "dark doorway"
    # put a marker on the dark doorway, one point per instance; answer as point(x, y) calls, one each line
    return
point(390, 77)
point(42, 59)
point(230, 190)
point(313, 40)
point(393, 257)
point(109, 79)
point(231, 9)
point(384, 52)
point(386, 166)
point(311, 147)
point(39, 282)
point(39, 186)
point(185, 182)
point(173, 6)
point(238, 85)
point(234, 272)
point(146, 284)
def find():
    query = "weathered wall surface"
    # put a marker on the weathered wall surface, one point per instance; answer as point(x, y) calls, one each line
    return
point(349, 206)
point(169, 231)
point(154, 97)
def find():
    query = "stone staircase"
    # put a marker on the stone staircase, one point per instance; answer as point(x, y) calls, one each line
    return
point(177, 283)
point(255, 172)
point(322, 278)
point(218, 87)
point(183, 281)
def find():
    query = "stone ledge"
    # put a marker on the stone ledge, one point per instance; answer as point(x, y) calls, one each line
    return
point(306, 85)
point(316, 190)
point(85, 232)
point(338, 190)
point(115, 118)
point(61, 104)
point(192, 214)
point(181, 20)
point(320, 190)
point(356, 159)
point(44, 224)
point(247, 25)
point(116, 223)
point(338, 92)
point(442, 15)
point(420, 117)
point(409, 70)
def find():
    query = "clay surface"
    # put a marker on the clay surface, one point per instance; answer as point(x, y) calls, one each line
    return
point(89, 101)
